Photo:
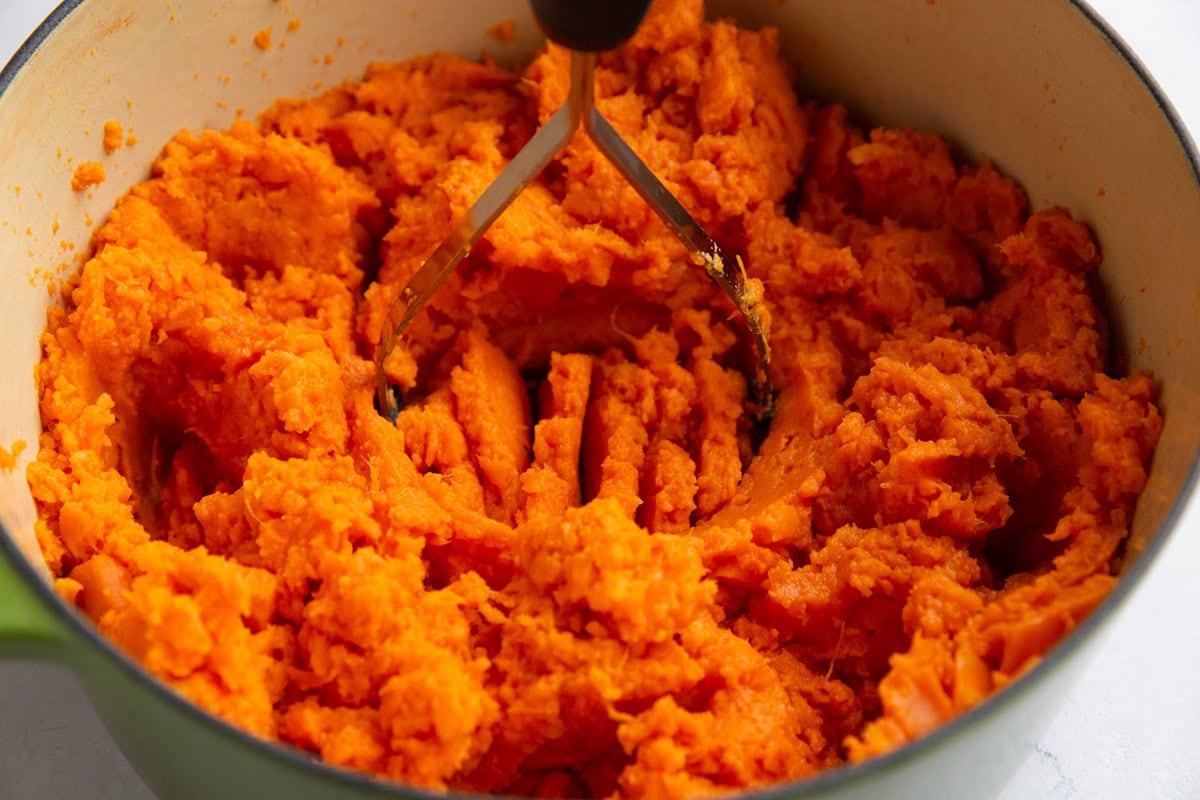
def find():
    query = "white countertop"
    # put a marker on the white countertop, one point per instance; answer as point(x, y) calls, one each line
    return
point(1130, 730)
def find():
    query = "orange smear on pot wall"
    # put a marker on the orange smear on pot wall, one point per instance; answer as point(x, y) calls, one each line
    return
point(87, 175)
point(9, 456)
point(114, 136)
point(593, 588)
point(504, 32)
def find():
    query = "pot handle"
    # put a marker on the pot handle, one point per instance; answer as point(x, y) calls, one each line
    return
point(28, 628)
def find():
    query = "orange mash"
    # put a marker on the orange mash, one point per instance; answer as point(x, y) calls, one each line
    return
point(564, 571)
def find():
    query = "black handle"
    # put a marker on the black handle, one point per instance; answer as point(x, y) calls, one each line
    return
point(589, 25)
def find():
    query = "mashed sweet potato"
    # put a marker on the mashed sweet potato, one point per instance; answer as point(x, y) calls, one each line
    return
point(564, 571)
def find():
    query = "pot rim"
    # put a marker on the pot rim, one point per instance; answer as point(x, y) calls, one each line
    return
point(811, 788)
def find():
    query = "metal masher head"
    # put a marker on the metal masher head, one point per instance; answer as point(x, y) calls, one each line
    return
point(585, 27)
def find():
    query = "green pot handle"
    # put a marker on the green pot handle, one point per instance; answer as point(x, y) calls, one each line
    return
point(28, 627)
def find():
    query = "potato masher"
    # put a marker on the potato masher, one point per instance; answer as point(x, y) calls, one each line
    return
point(585, 27)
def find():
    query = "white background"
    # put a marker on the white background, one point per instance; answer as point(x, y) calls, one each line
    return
point(1129, 731)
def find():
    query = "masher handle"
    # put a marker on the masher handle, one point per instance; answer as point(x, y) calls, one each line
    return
point(589, 25)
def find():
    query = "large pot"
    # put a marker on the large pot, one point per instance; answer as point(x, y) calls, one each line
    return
point(1039, 86)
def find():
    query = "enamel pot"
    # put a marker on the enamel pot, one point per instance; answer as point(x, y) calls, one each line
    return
point(1041, 87)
